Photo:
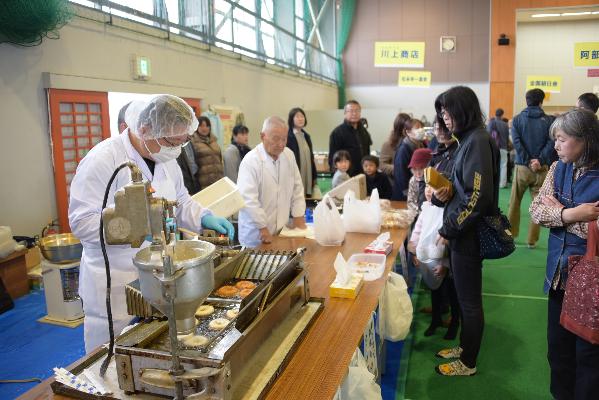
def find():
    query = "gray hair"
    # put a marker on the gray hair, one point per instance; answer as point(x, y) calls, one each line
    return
point(582, 125)
point(273, 122)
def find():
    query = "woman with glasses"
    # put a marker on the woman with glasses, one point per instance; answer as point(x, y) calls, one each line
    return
point(475, 193)
point(208, 156)
point(156, 131)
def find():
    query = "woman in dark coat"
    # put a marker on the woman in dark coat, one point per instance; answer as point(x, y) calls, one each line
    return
point(300, 143)
point(475, 179)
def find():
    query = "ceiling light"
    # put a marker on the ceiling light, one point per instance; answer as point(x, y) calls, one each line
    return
point(595, 12)
point(570, 14)
point(544, 15)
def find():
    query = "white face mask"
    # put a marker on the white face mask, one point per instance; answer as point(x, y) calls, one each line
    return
point(418, 134)
point(165, 154)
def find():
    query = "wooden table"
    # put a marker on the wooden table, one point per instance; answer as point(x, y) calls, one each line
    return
point(320, 363)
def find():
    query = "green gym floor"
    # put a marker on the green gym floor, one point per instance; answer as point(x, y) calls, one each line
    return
point(512, 362)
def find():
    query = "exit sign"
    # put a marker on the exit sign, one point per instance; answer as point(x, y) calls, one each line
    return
point(142, 69)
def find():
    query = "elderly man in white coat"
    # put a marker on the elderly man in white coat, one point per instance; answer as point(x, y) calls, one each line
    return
point(271, 186)
point(157, 129)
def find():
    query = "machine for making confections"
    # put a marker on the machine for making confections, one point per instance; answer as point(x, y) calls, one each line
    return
point(176, 353)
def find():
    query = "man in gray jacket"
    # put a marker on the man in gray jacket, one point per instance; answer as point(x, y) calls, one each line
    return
point(534, 155)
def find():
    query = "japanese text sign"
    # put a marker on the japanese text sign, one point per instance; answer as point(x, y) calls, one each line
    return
point(399, 54)
point(414, 78)
point(586, 54)
point(547, 83)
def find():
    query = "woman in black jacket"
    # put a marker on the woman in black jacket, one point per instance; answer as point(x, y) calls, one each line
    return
point(475, 179)
point(300, 143)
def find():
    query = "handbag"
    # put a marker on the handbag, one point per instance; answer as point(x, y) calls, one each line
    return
point(580, 309)
point(496, 240)
point(494, 234)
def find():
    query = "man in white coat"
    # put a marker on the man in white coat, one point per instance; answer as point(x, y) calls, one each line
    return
point(157, 129)
point(271, 186)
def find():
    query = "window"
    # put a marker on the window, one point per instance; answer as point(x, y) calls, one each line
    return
point(276, 32)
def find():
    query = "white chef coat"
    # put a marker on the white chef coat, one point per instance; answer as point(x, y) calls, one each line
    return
point(86, 196)
point(272, 191)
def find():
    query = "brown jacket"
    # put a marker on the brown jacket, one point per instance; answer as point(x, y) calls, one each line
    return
point(209, 159)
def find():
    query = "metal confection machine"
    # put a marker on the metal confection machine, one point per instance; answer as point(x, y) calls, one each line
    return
point(208, 332)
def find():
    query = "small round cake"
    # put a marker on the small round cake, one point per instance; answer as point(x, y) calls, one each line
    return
point(227, 291)
point(218, 323)
point(194, 340)
point(245, 285)
point(204, 310)
point(232, 313)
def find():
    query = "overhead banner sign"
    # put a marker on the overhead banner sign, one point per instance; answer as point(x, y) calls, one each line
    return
point(586, 54)
point(414, 79)
point(399, 54)
point(547, 83)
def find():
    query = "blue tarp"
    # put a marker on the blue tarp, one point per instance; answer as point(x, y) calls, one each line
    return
point(31, 349)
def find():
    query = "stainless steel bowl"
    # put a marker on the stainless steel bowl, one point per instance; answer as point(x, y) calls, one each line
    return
point(194, 257)
point(61, 248)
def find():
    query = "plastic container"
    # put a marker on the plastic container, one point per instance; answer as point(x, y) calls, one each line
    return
point(371, 265)
point(222, 198)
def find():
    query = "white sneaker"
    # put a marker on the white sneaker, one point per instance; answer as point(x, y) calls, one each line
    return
point(455, 368)
point(454, 352)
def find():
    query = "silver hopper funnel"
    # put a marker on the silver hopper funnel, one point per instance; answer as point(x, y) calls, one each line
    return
point(194, 259)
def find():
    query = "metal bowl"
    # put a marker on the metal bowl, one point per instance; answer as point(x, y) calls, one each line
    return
point(194, 257)
point(61, 248)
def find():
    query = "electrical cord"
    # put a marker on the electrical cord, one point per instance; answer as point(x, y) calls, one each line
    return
point(20, 380)
point(106, 361)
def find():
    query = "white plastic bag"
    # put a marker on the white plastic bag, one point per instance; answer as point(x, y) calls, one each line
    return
point(428, 274)
point(396, 308)
point(328, 226)
point(359, 384)
point(362, 215)
point(427, 250)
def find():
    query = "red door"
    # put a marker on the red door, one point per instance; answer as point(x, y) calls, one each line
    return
point(78, 120)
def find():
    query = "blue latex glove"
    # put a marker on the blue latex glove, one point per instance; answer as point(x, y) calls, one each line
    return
point(219, 224)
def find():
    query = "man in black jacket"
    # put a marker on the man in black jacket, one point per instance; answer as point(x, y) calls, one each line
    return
point(352, 136)
point(500, 131)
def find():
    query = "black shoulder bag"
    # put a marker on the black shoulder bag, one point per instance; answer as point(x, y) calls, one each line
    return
point(494, 235)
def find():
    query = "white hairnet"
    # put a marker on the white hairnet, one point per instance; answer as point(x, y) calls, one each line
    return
point(163, 115)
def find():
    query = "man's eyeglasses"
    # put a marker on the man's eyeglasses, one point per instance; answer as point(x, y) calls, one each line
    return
point(171, 143)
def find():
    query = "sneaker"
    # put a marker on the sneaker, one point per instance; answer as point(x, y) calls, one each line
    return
point(455, 368)
point(454, 352)
point(531, 245)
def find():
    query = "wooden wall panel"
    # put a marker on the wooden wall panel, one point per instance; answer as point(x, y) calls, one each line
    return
point(420, 20)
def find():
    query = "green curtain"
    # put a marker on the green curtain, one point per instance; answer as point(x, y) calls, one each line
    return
point(346, 14)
